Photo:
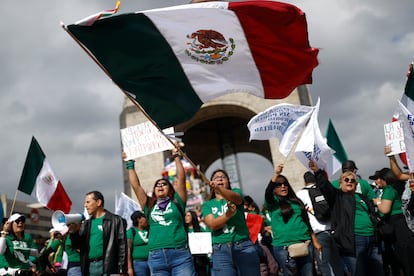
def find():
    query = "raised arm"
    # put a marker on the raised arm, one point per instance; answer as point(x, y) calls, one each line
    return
point(400, 175)
point(180, 175)
point(135, 183)
point(269, 197)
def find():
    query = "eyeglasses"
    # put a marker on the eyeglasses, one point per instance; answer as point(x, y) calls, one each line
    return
point(219, 177)
point(350, 180)
point(161, 184)
point(279, 184)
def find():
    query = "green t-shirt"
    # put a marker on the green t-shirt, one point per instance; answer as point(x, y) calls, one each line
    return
point(73, 254)
point(362, 223)
point(363, 187)
point(167, 227)
point(139, 239)
point(3, 262)
point(235, 228)
point(96, 238)
point(389, 193)
point(18, 251)
point(295, 230)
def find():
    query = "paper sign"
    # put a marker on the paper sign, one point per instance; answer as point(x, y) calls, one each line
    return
point(394, 137)
point(200, 243)
point(144, 139)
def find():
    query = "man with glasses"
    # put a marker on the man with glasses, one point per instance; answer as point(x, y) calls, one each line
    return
point(352, 223)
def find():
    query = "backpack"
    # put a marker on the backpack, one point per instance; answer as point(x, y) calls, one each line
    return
point(321, 208)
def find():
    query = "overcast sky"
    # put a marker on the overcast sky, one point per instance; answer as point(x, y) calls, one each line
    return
point(51, 90)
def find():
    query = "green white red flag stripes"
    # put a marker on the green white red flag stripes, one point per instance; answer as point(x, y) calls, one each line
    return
point(172, 60)
point(39, 180)
point(333, 141)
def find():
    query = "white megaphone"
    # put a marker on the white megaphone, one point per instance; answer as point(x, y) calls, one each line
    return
point(60, 219)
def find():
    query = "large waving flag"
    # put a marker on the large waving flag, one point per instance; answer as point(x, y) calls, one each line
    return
point(312, 145)
point(283, 121)
point(39, 180)
point(333, 141)
point(172, 60)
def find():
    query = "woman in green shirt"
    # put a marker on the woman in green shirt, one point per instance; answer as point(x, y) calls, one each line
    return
point(138, 245)
point(168, 243)
point(289, 223)
point(390, 208)
point(233, 251)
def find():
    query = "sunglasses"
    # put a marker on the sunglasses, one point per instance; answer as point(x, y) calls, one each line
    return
point(20, 220)
point(161, 184)
point(350, 180)
point(279, 184)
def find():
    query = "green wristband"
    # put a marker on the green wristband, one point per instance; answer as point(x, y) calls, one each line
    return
point(130, 165)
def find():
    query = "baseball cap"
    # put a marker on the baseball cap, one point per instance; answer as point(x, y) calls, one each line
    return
point(379, 174)
point(15, 217)
point(349, 165)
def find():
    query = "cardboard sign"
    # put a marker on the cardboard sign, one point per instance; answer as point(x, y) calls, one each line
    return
point(144, 139)
point(394, 137)
point(200, 243)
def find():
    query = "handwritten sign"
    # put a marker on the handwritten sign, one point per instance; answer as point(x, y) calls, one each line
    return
point(200, 243)
point(144, 139)
point(394, 137)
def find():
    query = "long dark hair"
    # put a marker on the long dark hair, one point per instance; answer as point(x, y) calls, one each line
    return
point(153, 198)
point(284, 205)
point(194, 221)
point(212, 192)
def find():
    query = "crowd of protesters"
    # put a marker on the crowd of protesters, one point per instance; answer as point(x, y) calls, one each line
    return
point(369, 230)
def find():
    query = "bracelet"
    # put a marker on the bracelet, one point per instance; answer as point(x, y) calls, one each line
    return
point(4, 232)
point(130, 165)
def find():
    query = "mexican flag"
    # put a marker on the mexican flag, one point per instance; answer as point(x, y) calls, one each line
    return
point(38, 180)
point(333, 141)
point(172, 60)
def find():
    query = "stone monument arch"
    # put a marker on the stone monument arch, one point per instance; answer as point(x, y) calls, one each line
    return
point(219, 131)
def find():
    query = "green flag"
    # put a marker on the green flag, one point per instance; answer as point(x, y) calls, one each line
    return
point(334, 143)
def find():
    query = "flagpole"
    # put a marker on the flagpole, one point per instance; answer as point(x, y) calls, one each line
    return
point(14, 201)
point(205, 179)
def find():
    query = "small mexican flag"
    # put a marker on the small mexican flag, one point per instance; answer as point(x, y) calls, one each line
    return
point(39, 180)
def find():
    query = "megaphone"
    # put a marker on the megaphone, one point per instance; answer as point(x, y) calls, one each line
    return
point(60, 219)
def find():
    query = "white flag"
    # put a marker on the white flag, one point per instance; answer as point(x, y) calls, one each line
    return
point(407, 119)
point(282, 121)
point(125, 206)
point(312, 145)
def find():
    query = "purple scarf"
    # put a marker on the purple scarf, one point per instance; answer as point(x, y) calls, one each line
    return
point(163, 202)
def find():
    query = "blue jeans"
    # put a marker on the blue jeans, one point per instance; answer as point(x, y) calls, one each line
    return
point(96, 268)
point(326, 261)
point(238, 258)
point(74, 271)
point(141, 268)
point(367, 260)
point(174, 261)
point(304, 264)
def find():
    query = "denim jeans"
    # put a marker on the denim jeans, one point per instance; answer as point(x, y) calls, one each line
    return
point(174, 261)
point(74, 271)
point(96, 268)
point(304, 264)
point(141, 268)
point(367, 260)
point(239, 258)
point(327, 256)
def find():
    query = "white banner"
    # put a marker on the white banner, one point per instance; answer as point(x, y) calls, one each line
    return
point(144, 139)
point(283, 121)
point(200, 242)
point(312, 145)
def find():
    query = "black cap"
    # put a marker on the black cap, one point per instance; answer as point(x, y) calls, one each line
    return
point(349, 165)
point(309, 177)
point(380, 174)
